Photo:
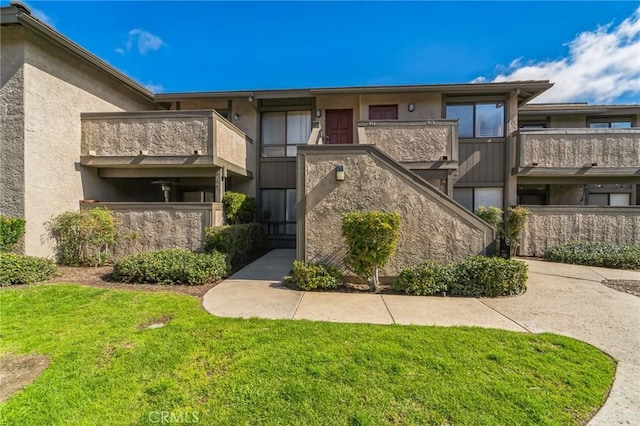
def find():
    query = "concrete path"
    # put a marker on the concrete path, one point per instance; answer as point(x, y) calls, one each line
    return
point(562, 299)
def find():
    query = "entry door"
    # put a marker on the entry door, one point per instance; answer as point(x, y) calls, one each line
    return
point(339, 126)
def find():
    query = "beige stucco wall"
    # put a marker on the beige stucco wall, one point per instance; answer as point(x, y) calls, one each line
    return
point(412, 143)
point(12, 122)
point(57, 88)
point(162, 135)
point(549, 226)
point(147, 227)
point(575, 148)
point(432, 225)
point(231, 145)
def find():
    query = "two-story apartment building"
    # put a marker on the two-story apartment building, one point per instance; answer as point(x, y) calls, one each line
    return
point(75, 129)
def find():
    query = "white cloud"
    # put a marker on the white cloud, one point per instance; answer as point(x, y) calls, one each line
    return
point(154, 88)
point(41, 16)
point(601, 66)
point(142, 40)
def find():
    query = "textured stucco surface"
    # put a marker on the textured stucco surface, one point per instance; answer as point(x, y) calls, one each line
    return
point(576, 148)
point(430, 227)
point(411, 143)
point(58, 87)
point(549, 226)
point(231, 146)
point(162, 226)
point(12, 123)
point(160, 136)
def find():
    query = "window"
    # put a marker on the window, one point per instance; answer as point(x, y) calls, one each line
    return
point(283, 130)
point(281, 205)
point(472, 198)
point(610, 123)
point(610, 199)
point(479, 119)
point(383, 112)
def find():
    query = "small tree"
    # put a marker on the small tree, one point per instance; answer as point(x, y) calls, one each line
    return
point(492, 215)
point(239, 208)
point(371, 239)
point(516, 222)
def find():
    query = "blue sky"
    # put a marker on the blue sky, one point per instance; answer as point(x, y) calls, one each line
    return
point(591, 49)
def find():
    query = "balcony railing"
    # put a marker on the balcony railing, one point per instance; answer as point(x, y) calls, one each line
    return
point(433, 143)
point(578, 151)
point(164, 139)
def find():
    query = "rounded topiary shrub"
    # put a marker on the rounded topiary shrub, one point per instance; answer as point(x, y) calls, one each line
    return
point(308, 276)
point(172, 266)
point(481, 276)
point(425, 279)
point(20, 269)
point(596, 254)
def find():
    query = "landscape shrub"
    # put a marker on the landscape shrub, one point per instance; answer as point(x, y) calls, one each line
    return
point(371, 239)
point(516, 222)
point(11, 230)
point(309, 276)
point(492, 215)
point(20, 269)
point(237, 241)
point(424, 279)
point(172, 266)
point(481, 276)
point(239, 208)
point(84, 238)
point(477, 276)
point(596, 254)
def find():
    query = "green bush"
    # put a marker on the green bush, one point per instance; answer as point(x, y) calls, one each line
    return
point(11, 230)
point(309, 276)
point(239, 208)
point(371, 239)
point(172, 266)
point(19, 269)
point(492, 215)
point(596, 254)
point(481, 276)
point(84, 238)
point(425, 279)
point(237, 241)
point(516, 222)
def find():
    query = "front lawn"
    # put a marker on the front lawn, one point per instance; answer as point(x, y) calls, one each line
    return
point(107, 367)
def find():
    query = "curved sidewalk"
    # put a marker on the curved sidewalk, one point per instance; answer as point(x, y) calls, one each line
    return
point(562, 299)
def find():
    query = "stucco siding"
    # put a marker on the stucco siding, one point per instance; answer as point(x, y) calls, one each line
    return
point(549, 226)
point(57, 89)
point(405, 142)
point(231, 145)
point(577, 148)
point(433, 227)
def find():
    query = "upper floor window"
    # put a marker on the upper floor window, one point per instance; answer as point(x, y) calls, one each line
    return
point(383, 112)
point(283, 130)
point(611, 123)
point(478, 119)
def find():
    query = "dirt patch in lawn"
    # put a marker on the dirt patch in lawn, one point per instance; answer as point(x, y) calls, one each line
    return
point(626, 286)
point(17, 371)
point(101, 277)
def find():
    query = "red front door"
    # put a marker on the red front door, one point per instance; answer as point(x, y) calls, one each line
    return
point(339, 126)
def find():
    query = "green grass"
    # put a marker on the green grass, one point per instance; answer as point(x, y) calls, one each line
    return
point(107, 369)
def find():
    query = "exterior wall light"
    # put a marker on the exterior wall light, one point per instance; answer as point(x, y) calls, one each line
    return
point(411, 107)
point(236, 117)
point(339, 173)
point(318, 113)
point(250, 98)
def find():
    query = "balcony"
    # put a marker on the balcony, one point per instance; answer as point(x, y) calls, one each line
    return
point(429, 144)
point(164, 139)
point(578, 152)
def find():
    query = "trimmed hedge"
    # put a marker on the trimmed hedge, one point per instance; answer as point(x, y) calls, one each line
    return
point(481, 276)
point(596, 254)
point(477, 276)
point(11, 230)
point(424, 279)
point(237, 241)
point(309, 276)
point(239, 208)
point(20, 269)
point(172, 266)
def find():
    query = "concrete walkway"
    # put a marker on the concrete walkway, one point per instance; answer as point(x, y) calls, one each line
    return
point(562, 299)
